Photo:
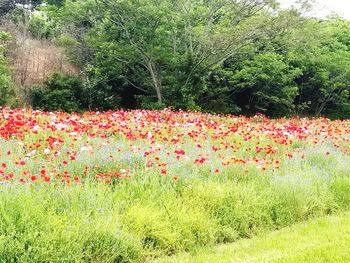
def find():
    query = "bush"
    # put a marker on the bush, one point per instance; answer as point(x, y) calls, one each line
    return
point(40, 27)
point(71, 94)
point(60, 92)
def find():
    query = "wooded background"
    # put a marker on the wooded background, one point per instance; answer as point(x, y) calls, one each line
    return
point(222, 56)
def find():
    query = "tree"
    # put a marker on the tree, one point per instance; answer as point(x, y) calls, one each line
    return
point(325, 63)
point(245, 55)
point(265, 83)
point(167, 47)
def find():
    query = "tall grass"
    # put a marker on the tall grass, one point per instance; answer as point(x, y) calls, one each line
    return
point(151, 215)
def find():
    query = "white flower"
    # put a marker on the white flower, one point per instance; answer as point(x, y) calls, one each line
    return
point(46, 151)
point(86, 148)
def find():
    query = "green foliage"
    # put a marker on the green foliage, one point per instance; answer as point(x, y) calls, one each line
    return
point(324, 60)
point(308, 75)
point(70, 93)
point(5, 74)
point(58, 3)
point(97, 93)
point(162, 51)
point(239, 57)
point(267, 82)
point(255, 84)
point(60, 92)
point(40, 27)
point(148, 102)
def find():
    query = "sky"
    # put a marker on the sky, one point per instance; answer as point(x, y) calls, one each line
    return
point(322, 8)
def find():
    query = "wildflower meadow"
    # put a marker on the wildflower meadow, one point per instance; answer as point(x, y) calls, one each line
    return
point(133, 186)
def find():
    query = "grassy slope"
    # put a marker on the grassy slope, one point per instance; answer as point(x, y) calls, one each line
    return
point(321, 240)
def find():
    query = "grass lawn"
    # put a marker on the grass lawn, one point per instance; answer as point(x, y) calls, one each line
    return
point(320, 240)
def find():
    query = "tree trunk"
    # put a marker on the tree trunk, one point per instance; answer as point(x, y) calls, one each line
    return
point(156, 80)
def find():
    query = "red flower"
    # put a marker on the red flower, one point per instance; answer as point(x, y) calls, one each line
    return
point(47, 179)
point(33, 178)
point(77, 179)
point(21, 180)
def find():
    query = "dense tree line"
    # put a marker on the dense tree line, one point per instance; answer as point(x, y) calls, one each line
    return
point(225, 56)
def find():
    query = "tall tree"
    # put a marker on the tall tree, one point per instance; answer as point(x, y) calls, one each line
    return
point(175, 43)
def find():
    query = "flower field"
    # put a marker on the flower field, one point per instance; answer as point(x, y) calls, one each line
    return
point(130, 186)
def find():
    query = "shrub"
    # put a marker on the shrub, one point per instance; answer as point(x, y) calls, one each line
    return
point(40, 27)
point(60, 92)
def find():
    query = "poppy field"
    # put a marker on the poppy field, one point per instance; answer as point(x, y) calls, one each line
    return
point(130, 186)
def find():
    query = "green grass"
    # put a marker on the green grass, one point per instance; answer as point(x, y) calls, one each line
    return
point(136, 221)
point(150, 216)
point(320, 240)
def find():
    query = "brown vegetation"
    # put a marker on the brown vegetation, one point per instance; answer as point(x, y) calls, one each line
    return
point(34, 61)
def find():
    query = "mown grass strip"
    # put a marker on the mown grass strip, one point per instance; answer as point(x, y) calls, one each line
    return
point(321, 240)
